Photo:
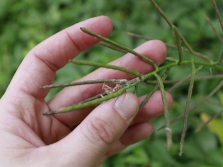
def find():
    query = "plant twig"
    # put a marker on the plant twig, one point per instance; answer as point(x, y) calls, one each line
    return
point(97, 99)
point(186, 113)
point(127, 70)
point(218, 87)
point(86, 104)
point(116, 81)
point(208, 121)
point(220, 59)
point(178, 44)
point(172, 26)
point(166, 112)
point(214, 29)
point(112, 47)
point(161, 13)
point(218, 13)
point(170, 46)
point(184, 80)
point(204, 78)
point(144, 58)
point(153, 90)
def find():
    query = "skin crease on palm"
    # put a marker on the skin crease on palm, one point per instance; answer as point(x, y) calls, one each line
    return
point(84, 137)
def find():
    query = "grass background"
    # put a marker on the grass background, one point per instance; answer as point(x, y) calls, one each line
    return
point(26, 23)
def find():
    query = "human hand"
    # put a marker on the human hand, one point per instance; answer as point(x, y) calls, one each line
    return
point(84, 137)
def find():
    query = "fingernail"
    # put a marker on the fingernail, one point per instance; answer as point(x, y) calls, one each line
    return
point(126, 105)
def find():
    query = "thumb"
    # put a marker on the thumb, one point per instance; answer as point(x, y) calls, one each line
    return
point(89, 142)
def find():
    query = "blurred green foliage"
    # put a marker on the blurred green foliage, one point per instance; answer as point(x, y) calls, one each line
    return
point(26, 23)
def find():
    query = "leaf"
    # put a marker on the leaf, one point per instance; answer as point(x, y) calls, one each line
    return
point(214, 126)
point(139, 157)
point(220, 95)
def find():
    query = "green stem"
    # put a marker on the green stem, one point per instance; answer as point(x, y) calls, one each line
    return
point(161, 12)
point(166, 112)
point(215, 65)
point(208, 121)
point(144, 58)
point(112, 47)
point(198, 54)
point(116, 81)
point(217, 88)
point(204, 78)
point(137, 80)
point(98, 98)
point(172, 26)
point(178, 44)
point(220, 59)
point(86, 104)
point(81, 62)
point(153, 90)
point(186, 113)
point(183, 80)
point(214, 29)
point(218, 13)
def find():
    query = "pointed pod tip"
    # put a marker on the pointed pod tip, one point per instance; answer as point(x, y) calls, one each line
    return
point(181, 152)
point(49, 113)
point(83, 29)
point(43, 87)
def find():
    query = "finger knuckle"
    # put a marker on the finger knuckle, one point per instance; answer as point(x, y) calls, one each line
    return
point(99, 130)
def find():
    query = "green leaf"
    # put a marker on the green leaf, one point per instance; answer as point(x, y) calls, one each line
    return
point(220, 95)
point(138, 157)
point(214, 126)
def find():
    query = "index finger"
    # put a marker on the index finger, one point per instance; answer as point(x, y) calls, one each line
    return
point(39, 66)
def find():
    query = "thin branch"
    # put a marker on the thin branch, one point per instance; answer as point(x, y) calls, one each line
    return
point(166, 112)
point(218, 76)
point(184, 80)
point(208, 121)
point(116, 81)
point(153, 90)
point(86, 104)
point(220, 59)
point(144, 58)
point(218, 13)
point(172, 27)
point(112, 47)
point(217, 88)
point(214, 29)
point(97, 99)
point(127, 70)
point(123, 85)
point(178, 44)
point(171, 46)
point(186, 113)
point(162, 13)
point(186, 44)
point(214, 103)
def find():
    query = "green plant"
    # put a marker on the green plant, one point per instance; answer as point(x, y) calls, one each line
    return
point(18, 34)
point(122, 85)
